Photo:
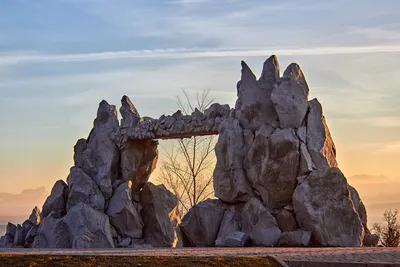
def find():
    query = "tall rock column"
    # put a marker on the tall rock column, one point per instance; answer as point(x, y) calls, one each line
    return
point(99, 155)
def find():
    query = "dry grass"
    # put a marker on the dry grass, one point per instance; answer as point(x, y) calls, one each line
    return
point(100, 261)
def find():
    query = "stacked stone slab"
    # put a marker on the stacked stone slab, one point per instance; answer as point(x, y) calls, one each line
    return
point(102, 205)
point(276, 176)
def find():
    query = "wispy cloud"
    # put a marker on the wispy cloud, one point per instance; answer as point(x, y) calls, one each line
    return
point(16, 58)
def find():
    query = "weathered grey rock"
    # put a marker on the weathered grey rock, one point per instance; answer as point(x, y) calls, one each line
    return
point(322, 205)
point(158, 203)
point(82, 189)
point(201, 224)
point(290, 98)
point(57, 199)
point(259, 224)
point(231, 222)
point(30, 236)
point(122, 213)
point(130, 116)
point(254, 106)
point(370, 240)
point(138, 160)
point(7, 241)
point(230, 182)
point(297, 238)
point(125, 242)
point(359, 207)
point(256, 160)
point(217, 110)
point(99, 155)
point(234, 239)
point(34, 218)
point(276, 179)
point(302, 134)
point(88, 228)
point(319, 139)
point(306, 163)
point(19, 236)
point(52, 233)
point(11, 229)
point(286, 221)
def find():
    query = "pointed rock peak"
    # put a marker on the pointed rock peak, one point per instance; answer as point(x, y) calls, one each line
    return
point(35, 216)
point(271, 70)
point(247, 74)
point(315, 105)
point(106, 113)
point(294, 72)
point(127, 105)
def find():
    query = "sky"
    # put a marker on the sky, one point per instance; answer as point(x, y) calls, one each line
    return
point(60, 58)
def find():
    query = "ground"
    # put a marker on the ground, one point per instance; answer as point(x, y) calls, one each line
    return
point(252, 256)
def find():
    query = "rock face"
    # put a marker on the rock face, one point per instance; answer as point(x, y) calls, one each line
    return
point(319, 139)
point(99, 155)
point(57, 199)
point(200, 225)
point(230, 182)
point(235, 239)
point(138, 160)
point(52, 233)
point(82, 189)
point(254, 106)
point(276, 178)
point(297, 238)
point(123, 214)
point(290, 98)
point(260, 224)
point(158, 203)
point(88, 228)
point(323, 206)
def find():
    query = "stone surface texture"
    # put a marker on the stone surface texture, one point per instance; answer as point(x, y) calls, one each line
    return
point(276, 178)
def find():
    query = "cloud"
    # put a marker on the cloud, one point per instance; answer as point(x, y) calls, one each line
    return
point(384, 121)
point(16, 58)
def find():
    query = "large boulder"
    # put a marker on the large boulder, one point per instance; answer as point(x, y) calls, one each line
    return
point(254, 106)
point(323, 206)
point(259, 224)
point(319, 140)
point(99, 155)
point(370, 240)
point(52, 233)
point(201, 224)
point(82, 189)
point(276, 180)
point(290, 98)
point(234, 239)
point(297, 238)
point(230, 182)
point(158, 203)
point(88, 228)
point(231, 222)
point(57, 199)
point(138, 160)
point(19, 236)
point(123, 214)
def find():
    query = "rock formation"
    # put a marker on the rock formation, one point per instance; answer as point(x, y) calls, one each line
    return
point(276, 172)
point(276, 178)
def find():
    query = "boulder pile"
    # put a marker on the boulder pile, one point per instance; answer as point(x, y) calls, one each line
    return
point(276, 178)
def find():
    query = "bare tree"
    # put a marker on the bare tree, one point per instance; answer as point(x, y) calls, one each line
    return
point(187, 168)
point(389, 232)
